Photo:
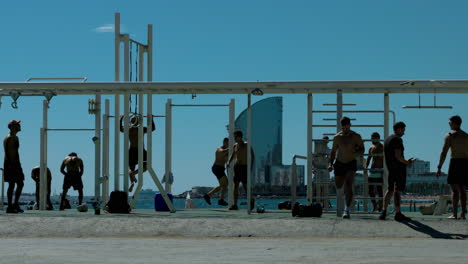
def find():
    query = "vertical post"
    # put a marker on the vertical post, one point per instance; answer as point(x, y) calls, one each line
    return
point(309, 148)
point(168, 145)
point(386, 134)
point(249, 154)
point(2, 200)
point(126, 111)
point(141, 136)
point(43, 165)
point(117, 103)
point(293, 181)
point(149, 50)
point(105, 153)
point(149, 137)
point(339, 115)
point(97, 151)
point(232, 109)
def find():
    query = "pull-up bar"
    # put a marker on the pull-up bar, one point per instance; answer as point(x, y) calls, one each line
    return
point(200, 105)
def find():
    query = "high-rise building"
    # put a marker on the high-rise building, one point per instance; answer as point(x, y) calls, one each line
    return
point(419, 167)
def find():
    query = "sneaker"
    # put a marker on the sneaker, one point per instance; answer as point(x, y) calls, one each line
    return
point(18, 208)
point(346, 215)
point(222, 202)
point(11, 210)
point(234, 207)
point(401, 218)
point(207, 199)
point(383, 215)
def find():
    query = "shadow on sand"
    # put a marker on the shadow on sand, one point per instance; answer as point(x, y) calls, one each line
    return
point(420, 227)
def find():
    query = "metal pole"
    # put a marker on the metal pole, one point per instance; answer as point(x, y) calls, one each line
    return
point(43, 165)
point(3, 190)
point(339, 115)
point(386, 134)
point(168, 145)
point(149, 50)
point(141, 136)
point(117, 103)
point(309, 148)
point(293, 181)
point(232, 109)
point(126, 112)
point(249, 155)
point(105, 153)
point(97, 151)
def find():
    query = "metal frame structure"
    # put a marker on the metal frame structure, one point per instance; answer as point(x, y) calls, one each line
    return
point(168, 143)
point(125, 88)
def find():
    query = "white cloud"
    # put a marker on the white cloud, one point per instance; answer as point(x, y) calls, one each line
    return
point(105, 28)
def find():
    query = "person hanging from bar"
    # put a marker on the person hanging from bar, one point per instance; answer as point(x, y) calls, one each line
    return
point(457, 142)
point(376, 171)
point(240, 168)
point(35, 175)
point(74, 171)
point(218, 169)
point(133, 151)
point(13, 172)
point(350, 147)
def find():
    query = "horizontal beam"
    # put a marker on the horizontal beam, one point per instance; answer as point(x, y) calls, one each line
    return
point(275, 87)
point(198, 105)
point(70, 129)
point(352, 125)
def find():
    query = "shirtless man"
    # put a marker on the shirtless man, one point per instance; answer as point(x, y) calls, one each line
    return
point(133, 151)
point(457, 142)
point(221, 156)
point(35, 175)
point(396, 165)
point(376, 171)
point(74, 170)
point(240, 168)
point(13, 172)
point(350, 146)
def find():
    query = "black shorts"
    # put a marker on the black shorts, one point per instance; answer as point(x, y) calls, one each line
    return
point(218, 171)
point(458, 172)
point(397, 179)
point(341, 169)
point(12, 172)
point(240, 174)
point(72, 180)
point(133, 158)
point(375, 177)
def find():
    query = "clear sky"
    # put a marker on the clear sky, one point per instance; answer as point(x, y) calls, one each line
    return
point(232, 41)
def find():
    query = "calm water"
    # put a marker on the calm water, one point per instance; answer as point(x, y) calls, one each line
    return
point(269, 204)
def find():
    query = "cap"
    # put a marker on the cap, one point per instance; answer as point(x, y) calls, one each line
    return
point(13, 122)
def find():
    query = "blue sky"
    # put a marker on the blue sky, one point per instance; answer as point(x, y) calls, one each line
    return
point(232, 41)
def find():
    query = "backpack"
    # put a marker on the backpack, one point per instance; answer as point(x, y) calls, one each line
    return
point(118, 203)
point(313, 210)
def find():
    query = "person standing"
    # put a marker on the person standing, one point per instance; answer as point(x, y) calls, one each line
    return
point(457, 142)
point(396, 165)
point(376, 171)
point(13, 172)
point(240, 168)
point(349, 146)
point(74, 170)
